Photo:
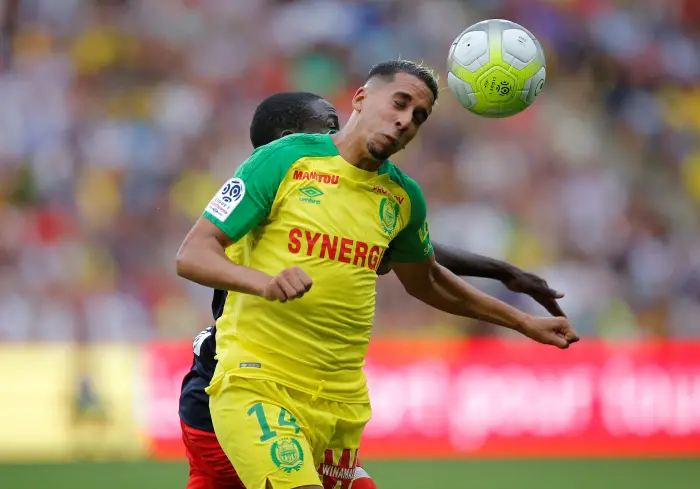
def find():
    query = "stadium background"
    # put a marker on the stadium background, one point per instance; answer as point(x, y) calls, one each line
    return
point(121, 118)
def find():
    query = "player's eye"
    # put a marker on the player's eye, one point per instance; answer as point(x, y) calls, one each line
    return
point(419, 117)
point(400, 104)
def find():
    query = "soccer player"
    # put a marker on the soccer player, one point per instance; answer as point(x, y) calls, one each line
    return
point(279, 115)
point(321, 210)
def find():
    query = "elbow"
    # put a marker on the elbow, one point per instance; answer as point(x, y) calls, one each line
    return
point(182, 262)
point(180, 266)
point(422, 289)
point(414, 289)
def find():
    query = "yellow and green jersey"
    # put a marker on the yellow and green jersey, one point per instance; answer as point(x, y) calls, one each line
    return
point(297, 202)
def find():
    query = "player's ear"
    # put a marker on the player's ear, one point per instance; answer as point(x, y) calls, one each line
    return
point(359, 98)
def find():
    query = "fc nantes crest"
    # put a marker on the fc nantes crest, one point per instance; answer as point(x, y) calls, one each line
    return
point(388, 214)
point(287, 454)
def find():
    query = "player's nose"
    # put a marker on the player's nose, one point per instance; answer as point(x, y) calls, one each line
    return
point(402, 122)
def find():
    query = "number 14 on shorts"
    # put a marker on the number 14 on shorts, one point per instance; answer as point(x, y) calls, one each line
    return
point(285, 419)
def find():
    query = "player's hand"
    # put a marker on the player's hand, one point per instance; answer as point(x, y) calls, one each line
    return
point(537, 288)
point(288, 285)
point(550, 331)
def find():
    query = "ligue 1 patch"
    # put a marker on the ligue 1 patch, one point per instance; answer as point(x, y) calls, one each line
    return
point(226, 199)
point(249, 365)
point(286, 453)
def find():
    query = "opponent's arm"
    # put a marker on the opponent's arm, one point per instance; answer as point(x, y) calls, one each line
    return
point(466, 264)
point(463, 263)
point(414, 263)
point(435, 285)
point(240, 205)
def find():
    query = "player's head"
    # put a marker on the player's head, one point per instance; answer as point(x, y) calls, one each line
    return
point(287, 113)
point(395, 101)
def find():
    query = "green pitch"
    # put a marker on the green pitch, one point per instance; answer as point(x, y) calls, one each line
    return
point(521, 474)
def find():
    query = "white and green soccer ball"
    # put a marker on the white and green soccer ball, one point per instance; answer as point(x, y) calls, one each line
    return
point(496, 68)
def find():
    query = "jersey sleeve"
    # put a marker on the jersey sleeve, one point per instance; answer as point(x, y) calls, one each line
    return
point(412, 243)
point(245, 200)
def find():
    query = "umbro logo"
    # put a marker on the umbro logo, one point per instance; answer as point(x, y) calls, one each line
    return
point(310, 194)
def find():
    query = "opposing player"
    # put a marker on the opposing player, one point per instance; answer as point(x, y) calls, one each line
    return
point(289, 383)
point(277, 116)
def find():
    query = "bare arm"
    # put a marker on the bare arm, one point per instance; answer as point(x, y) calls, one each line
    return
point(464, 263)
point(202, 259)
point(413, 260)
point(433, 284)
point(241, 204)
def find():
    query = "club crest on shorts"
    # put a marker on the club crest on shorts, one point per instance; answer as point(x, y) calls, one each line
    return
point(388, 214)
point(287, 454)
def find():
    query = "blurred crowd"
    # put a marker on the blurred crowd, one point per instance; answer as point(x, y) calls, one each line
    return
point(120, 119)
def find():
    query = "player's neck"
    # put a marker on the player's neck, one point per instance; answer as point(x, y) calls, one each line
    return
point(354, 151)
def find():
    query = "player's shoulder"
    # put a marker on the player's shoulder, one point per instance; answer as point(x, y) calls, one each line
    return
point(284, 152)
point(298, 145)
point(409, 185)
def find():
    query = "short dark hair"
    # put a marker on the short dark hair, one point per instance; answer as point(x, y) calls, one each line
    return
point(389, 69)
point(280, 112)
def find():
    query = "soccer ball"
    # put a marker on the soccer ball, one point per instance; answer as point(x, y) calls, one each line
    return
point(496, 68)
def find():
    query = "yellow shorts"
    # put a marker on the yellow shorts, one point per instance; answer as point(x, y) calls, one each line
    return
point(273, 433)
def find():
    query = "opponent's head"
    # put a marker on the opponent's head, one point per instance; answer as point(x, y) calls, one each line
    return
point(395, 101)
point(287, 113)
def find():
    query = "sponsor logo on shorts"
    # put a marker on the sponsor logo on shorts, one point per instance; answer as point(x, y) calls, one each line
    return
point(336, 473)
point(287, 454)
point(339, 468)
point(249, 365)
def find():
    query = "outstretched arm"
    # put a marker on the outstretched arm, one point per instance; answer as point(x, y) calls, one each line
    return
point(414, 262)
point(435, 285)
point(464, 263)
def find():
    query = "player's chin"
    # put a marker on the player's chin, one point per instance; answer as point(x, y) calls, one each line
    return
point(379, 151)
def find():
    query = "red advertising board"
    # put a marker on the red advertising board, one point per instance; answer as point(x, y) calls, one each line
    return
point(487, 398)
point(166, 364)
